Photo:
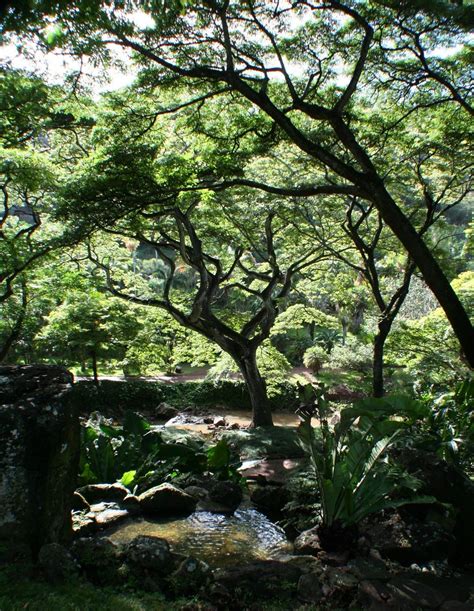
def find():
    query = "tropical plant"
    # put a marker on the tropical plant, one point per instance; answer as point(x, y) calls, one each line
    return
point(138, 456)
point(355, 476)
point(314, 358)
point(449, 426)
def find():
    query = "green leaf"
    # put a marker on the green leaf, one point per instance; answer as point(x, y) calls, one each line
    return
point(128, 478)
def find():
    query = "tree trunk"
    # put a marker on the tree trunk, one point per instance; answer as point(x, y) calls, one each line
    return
point(428, 266)
point(94, 368)
point(378, 387)
point(261, 413)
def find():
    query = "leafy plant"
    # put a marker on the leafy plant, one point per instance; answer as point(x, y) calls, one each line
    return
point(355, 477)
point(449, 426)
point(314, 358)
point(137, 455)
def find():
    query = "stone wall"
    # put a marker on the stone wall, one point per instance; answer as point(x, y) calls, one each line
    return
point(39, 454)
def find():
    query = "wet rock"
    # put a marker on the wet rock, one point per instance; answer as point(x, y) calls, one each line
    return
point(97, 493)
point(164, 411)
point(100, 559)
point(83, 524)
point(79, 503)
point(219, 421)
point(308, 542)
point(227, 494)
point(165, 500)
point(261, 578)
point(149, 553)
point(108, 514)
point(270, 500)
point(39, 453)
point(190, 576)
point(309, 589)
point(57, 563)
point(131, 504)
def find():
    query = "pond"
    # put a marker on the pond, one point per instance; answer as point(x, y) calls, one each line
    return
point(217, 539)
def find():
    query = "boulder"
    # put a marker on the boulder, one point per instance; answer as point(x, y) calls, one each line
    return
point(165, 412)
point(83, 524)
point(262, 578)
point(166, 500)
point(226, 493)
point(309, 589)
point(270, 500)
point(39, 454)
point(108, 514)
point(149, 553)
point(79, 503)
point(190, 576)
point(450, 485)
point(57, 563)
point(100, 559)
point(308, 542)
point(408, 540)
point(97, 493)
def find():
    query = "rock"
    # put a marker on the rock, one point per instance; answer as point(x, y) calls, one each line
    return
point(97, 493)
point(131, 504)
point(57, 563)
point(165, 411)
point(150, 553)
point(340, 578)
point(79, 503)
point(219, 421)
point(227, 494)
point(449, 485)
point(261, 578)
point(334, 558)
point(190, 576)
point(455, 605)
point(100, 559)
point(408, 540)
point(412, 591)
point(83, 524)
point(196, 492)
point(375, 595)
point(39, 454)
point(306, 564)
point(369, 568)
point(108, 514)
point(308, 542)
point(165, 500)
point(309, 589)
point(270, 500)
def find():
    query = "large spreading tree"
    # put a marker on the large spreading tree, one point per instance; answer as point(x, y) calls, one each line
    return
point(310, 73)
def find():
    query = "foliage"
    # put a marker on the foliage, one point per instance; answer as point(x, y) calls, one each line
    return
point(314, 358)
point(355, 477)
point(353, 355)
point(272, 364)
point(136, 454)
point(89, 326)
point(448, 428)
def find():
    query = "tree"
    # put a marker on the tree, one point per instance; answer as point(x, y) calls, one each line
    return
point(286, 61)
point(89, 326)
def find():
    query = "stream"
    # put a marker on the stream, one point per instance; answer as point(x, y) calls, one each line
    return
point(219, 540)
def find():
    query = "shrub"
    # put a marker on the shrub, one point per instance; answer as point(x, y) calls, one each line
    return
point(314, 358)
point(353, 356)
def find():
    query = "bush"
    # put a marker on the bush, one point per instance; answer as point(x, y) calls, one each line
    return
point(353, 356)
point(314, 358)
point(140, 395)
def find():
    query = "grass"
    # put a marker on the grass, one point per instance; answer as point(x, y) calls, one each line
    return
point(22, 587)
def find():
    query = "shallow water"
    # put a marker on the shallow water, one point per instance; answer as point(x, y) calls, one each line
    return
point(217, 539)
point(241, 417)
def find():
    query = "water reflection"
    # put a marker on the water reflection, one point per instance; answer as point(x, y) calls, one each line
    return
point(217, 539)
